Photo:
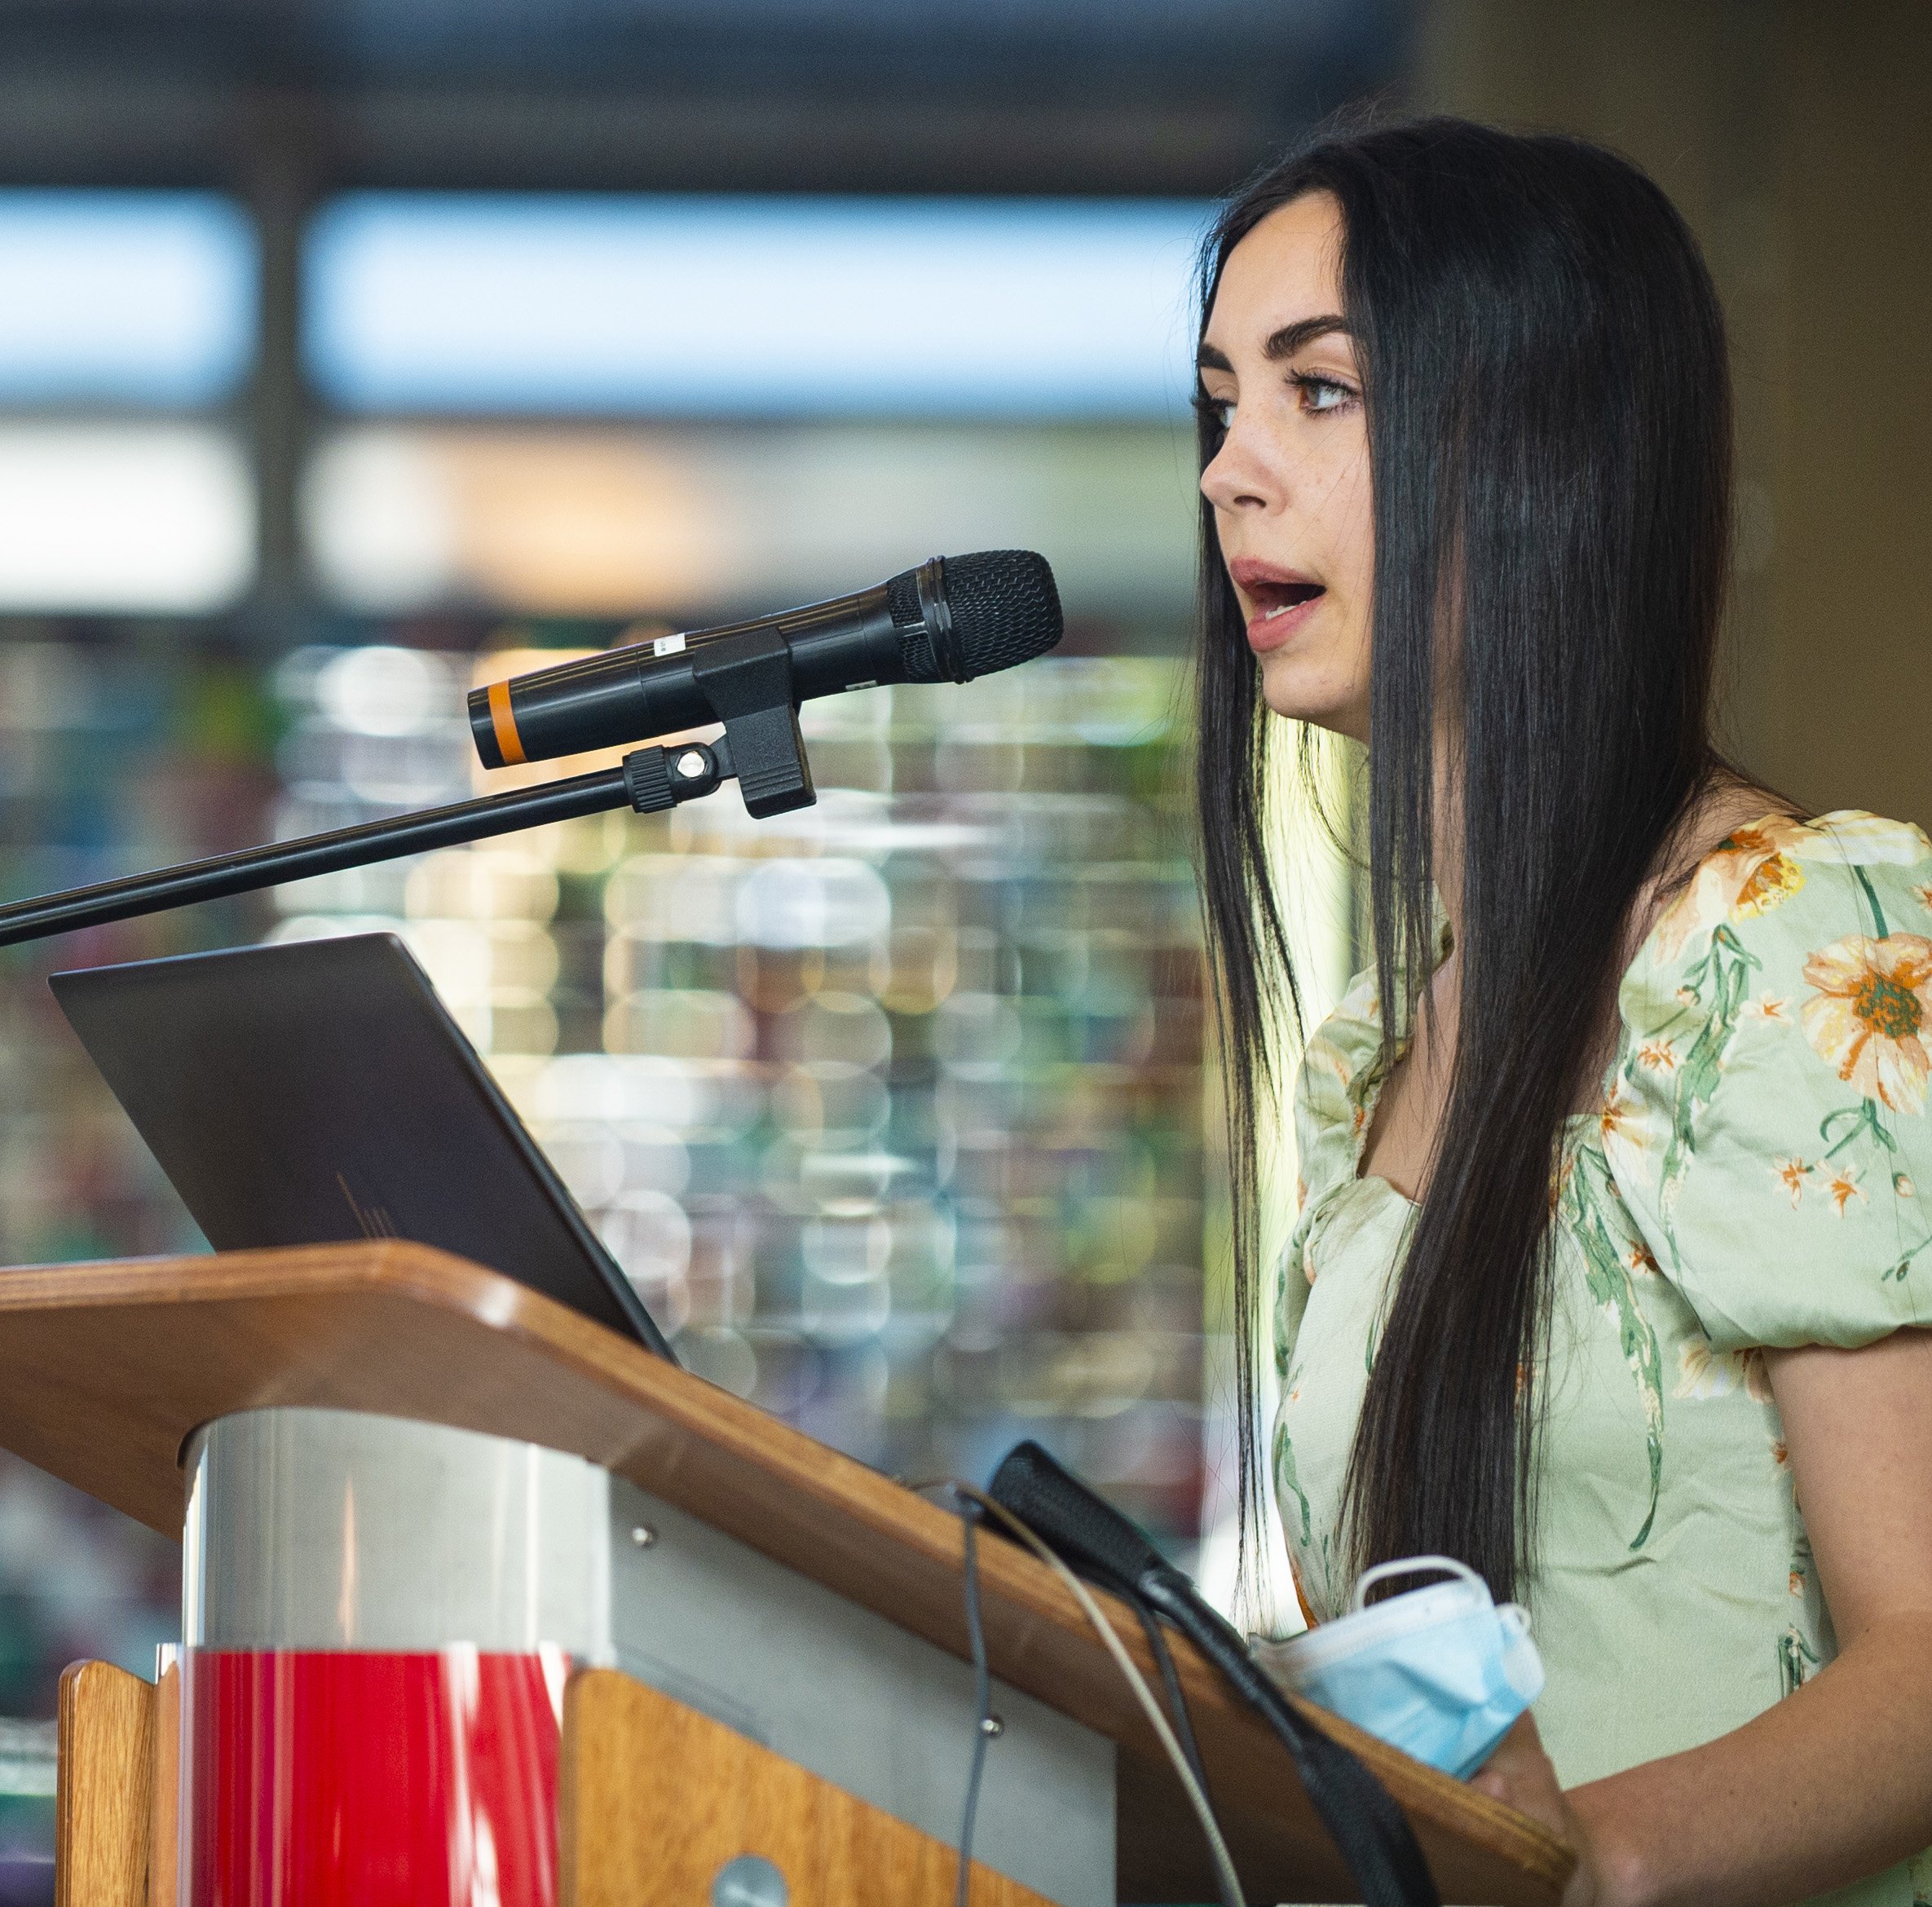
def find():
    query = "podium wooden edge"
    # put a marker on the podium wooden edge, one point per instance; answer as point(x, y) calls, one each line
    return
point(402, 1329)
point(654, 1797)
point(105, 1788)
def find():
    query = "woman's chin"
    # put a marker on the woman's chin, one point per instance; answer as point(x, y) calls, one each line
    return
point(1297, 694)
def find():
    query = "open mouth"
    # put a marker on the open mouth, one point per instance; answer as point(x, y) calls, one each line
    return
point(1272, 599)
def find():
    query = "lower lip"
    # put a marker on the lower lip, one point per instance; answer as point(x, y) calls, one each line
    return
point(1270, 632)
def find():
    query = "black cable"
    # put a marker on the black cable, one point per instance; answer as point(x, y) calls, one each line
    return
point(1361, 1814)
point(1186, 1757)
point(982, 1701)
point(1177, 1703)
point(1371, 1832)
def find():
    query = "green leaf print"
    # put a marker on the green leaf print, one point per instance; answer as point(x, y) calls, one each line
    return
point(1608, 1278)
point(1865, 1117)
point(1903, 1269)
point(1286, 1480)
point(1796, 1661)
point(1866, 1120)
point(1717, 985)
point(1879, 929)
point(1282, 1327)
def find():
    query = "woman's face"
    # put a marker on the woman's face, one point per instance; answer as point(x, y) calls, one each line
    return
point(1289, 484)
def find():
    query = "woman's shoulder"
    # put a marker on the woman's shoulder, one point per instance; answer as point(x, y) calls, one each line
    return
point(1817, 930)
point(1777, 885)
point(1767, 1120)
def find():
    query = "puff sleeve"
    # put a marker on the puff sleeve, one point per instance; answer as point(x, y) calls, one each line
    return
point(1768, 1123)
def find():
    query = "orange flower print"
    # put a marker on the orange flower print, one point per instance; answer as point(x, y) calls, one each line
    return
point(1902, 1185)
point(1750, 873)
point(1559, 1179)
point(1642, 1260)
point(1704, 1371)
point(1780, 1455)
point(1798, 1583)
point(1774, 880)
point(1923, 895)
point(1769, 1007)
point(1868, 1006)
point(1657, 1056)
point(1792, 1174)
point(1843, 1188)
point(1620, 1116)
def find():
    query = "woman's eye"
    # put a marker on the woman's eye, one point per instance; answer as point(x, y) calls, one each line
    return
point(1322, 393)
point(1220, 409)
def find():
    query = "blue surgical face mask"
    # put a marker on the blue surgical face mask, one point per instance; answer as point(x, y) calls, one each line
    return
point(1441, 1672)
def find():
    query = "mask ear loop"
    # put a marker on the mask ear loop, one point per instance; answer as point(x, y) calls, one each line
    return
point(1414, 1566)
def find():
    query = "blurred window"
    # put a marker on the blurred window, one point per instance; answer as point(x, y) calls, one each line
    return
point(719, 307)
point(145, 299)
point(562, 518)
point(129, 518)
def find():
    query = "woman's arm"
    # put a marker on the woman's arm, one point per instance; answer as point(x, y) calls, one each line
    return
point(1835, 1782)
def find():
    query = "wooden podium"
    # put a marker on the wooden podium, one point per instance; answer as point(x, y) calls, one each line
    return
point(115, 1376)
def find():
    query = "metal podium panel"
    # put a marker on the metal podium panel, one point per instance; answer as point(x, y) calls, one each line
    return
point(333, 1529)
point(855, 1698)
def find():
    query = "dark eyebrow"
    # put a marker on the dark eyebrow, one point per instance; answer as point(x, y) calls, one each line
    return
point(1290, 338)
point(1284, 343)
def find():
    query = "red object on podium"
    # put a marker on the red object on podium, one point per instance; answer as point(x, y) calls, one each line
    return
point(339, 1779)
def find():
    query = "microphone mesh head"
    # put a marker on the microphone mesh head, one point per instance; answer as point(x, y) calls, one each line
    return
point(1005, 610)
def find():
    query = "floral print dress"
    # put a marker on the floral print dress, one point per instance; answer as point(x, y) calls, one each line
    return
point(1759, 1174)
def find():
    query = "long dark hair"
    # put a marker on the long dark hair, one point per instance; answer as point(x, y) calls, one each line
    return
point(1547, 399)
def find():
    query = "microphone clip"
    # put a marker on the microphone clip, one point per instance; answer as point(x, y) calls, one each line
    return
point(747, 681)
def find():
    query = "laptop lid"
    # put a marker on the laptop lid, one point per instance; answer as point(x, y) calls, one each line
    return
point(319, 1090)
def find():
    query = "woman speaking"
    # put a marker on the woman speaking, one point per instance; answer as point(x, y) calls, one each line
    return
point(1614, 1248)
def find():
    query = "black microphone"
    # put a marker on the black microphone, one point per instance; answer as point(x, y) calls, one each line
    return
point(951, 619)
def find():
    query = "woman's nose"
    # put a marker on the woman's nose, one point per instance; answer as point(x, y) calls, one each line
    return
point(1238, 478)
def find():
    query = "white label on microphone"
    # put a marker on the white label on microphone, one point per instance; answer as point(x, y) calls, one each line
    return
point(667, 646)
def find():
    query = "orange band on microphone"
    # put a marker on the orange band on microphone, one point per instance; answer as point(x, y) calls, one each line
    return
point(503, 719)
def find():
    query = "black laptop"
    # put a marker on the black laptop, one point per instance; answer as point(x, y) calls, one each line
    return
point(318, 1091)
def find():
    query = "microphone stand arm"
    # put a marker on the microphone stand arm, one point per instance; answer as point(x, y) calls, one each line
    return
point(648, 781)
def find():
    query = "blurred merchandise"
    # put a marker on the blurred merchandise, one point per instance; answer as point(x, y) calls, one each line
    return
point(892, 1107)
point(113, 756)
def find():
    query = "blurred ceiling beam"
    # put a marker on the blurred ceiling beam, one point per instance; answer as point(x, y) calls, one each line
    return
point(1055, 96)
point(90, 132)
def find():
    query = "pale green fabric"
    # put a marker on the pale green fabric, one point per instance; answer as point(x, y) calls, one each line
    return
point(1760, 1174)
